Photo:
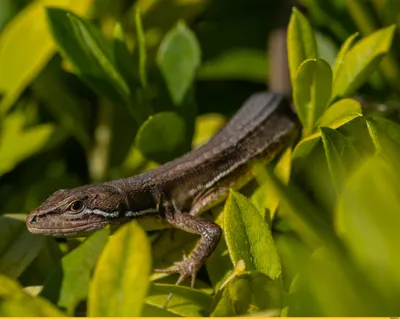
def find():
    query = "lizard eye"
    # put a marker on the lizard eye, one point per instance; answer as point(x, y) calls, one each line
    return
point(77, 206)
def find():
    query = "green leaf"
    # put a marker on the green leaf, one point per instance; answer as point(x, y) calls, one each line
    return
point(185, 302)
point(338, 67)
point(247, 293)
point(90, 55)
point(249, 237)
point(77, 266)
point(162, 137)
point(341, 155)
point(312, 91)
point(18, 247)
point(14, 302)
point(338, 114)
point(178, 58)
point(301, 42)
point(361, 60)
point(33, 45)
point(17, 143)
point(382, 131)
point(367, 220)
point(121, 277)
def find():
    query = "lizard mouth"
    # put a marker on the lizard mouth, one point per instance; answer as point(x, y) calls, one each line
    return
point(71, 231)
point(49, 226)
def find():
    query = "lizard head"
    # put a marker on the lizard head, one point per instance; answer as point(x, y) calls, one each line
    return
point(77, 211)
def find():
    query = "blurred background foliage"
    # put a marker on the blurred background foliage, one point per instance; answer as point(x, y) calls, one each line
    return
point(147, 80)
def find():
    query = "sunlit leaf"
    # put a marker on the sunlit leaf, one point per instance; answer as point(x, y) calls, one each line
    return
point(312, 91)
point(381, 129)
point(341, 155)
point(121, 273)
point(14, 302)
point(338, 67)
point(301, 42)
point(249, 237)
point(17, 143)
point(24, 50)
point(178, 58)
point(361, 60)
point(338, 114)
point(186, 302)
point(247, 293)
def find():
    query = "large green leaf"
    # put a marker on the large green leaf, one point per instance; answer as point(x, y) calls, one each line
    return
point(77, 266)
point(185, 302)
point(25, 50)
point(120, 282)
point(249, 237)
point(17, 143)
point(14, 302)
point(301, 42)
point(361, 60)
point(341, 155)
point(247, 293)
point(178, 58)
point(162, 136)
point(18, 247)
point(312, 91)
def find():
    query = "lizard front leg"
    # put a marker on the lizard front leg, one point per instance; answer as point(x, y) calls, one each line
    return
point(210, 235)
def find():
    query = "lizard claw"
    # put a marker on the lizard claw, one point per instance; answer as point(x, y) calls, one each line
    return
point(185, 268)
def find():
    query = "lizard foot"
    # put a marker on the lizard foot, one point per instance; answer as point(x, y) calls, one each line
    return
point(186, 268)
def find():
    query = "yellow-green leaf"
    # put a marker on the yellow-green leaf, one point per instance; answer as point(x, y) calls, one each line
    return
point(248, 236)
point(25, 50)
point(361, 60)
point(338, 67)
point(338, 114)
point(121, 277)
point(17, 143)
point(301, 42)
point(185, 302)
point(341, 155)
point(312, 91)
point(14, 302)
